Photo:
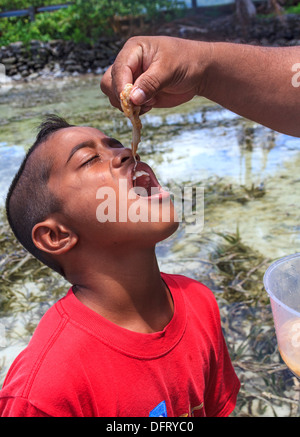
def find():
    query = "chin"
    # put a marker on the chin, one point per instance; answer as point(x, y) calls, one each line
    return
point(172, 228)
point(164, 230)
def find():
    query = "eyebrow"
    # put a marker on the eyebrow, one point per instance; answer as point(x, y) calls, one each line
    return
point(86, 144)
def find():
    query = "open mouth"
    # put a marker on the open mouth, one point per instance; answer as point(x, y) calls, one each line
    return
point(144, 181)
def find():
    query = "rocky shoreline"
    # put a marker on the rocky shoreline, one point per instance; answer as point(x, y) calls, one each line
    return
point(58, 58)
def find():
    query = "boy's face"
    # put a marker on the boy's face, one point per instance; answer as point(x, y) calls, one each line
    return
point(92, 175)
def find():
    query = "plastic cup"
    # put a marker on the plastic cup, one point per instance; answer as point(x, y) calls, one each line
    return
point(282, 283)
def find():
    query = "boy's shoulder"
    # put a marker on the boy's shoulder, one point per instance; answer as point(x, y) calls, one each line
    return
point(28, 362)
point(188, 286)
point(33, 377)
point(198, 298)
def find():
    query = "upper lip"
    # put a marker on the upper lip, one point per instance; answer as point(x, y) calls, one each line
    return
point(142, 166)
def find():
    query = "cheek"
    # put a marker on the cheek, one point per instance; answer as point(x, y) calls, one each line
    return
point(79, 206)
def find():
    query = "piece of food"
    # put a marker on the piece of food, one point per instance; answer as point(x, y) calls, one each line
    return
point(132, 112)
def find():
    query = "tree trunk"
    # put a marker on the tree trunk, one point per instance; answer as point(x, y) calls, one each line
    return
point(273, 4)
point(245, 10)
point(245, 13)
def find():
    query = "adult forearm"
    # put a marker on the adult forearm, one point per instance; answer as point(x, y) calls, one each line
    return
point(257, 83)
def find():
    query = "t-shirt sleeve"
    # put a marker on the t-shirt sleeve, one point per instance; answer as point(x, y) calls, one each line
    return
point(224, 385)
point(19, 407)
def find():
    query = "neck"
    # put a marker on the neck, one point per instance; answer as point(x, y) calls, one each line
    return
point(127, 289)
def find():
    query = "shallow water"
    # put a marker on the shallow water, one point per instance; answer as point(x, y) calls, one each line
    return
point(251, 181)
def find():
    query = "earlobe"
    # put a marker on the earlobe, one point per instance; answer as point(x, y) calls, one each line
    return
point(52, 237)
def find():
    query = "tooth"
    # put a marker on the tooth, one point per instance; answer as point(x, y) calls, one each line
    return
point(139, 173)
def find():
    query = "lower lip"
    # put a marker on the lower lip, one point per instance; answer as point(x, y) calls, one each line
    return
point(161, 195)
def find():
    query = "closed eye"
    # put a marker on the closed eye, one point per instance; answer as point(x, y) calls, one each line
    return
point(91, 160)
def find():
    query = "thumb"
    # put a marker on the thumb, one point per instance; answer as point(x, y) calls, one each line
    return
point(148, 85)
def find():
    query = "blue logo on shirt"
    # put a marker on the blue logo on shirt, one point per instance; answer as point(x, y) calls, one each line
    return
point(159, 411)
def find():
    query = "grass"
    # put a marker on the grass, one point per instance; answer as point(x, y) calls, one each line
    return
point(218, 191)
point(267, 386)
point(18, 267)
point(240, 270)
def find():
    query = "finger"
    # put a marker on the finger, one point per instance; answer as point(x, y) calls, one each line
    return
point(145, 109)
point(150, 83)
point(112, 82)
point(127, 66)
point(106, 81)
point(169, 100)
point(108, 89)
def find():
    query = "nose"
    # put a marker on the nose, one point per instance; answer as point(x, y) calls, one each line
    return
point(122, 156)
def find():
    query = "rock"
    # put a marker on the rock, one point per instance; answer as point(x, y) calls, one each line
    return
point(101, 63)
point(16, 76)
point(75, 67)
point(99, 70)
point(59, 58)
point(36, 43)
point(264, 42)
point(4, 79)
point(23, 68)
point(15, 46)
point(70, 62)
point(58, 74)
point(33, 76)
point(8, 61)
point(11, 72)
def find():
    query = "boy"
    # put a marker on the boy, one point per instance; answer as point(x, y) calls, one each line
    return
point(126, 340)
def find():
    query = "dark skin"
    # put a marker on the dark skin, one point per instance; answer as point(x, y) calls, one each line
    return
point(112, 265)
point(255, 82)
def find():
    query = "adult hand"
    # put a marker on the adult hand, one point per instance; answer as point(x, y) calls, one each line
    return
point(165, 71)
point(259, 83)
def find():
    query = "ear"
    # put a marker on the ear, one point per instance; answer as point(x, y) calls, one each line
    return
point(53, 237)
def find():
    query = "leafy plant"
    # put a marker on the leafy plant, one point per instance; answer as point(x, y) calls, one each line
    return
point(81, 21)
point(293, 9)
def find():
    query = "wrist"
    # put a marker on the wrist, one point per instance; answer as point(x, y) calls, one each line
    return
point(204, 61)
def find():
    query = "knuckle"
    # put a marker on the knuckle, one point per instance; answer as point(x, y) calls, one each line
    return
point(150, 84)
point(132, 40)
point(104, 86)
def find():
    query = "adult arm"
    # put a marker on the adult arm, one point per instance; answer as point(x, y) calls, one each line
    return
point(255, 82)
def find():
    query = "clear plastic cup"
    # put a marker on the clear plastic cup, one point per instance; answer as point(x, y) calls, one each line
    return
point(282, 283)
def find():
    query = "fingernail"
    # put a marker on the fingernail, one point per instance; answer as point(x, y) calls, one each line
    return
point(138, 96)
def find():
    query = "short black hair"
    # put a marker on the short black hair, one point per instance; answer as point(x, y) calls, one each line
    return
point(29, 200)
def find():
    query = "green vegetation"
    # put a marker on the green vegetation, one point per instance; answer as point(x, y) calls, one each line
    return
point(15, 265)
point(83, 21)
point(293, 9)
point(240, 270)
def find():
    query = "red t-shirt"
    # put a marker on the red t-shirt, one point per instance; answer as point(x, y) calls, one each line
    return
point(80, 364)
